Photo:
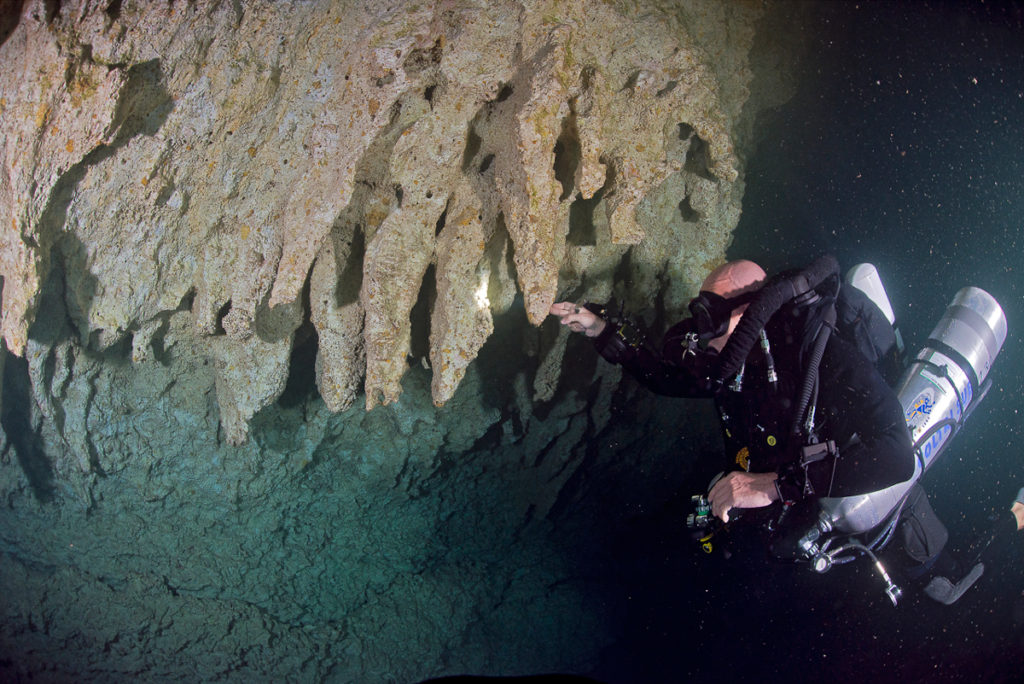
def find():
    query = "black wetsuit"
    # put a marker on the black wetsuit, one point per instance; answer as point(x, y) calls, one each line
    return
point(855, 408)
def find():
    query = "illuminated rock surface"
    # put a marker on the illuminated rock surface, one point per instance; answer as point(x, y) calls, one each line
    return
point(232, 228)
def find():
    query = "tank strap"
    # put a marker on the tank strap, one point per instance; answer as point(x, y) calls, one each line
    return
point(943, 372)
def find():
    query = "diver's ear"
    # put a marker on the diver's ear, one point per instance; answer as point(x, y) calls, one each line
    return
point(1018, 512)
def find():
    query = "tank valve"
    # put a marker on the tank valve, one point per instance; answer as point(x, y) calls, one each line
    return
point(701, 517)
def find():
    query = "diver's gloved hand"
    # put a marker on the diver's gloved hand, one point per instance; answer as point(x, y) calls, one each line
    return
point(578, 318)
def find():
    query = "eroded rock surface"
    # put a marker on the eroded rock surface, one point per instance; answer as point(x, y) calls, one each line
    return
point(229, 227)
point(213, 157)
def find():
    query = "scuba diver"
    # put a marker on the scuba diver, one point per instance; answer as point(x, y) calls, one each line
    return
point(795, 366)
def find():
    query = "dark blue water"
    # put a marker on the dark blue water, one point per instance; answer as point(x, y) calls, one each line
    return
point(904, 147)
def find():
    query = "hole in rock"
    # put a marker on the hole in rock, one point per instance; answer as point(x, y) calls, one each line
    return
point(472, 148)
point(350, 279)
point(505, 355)
point(144, 103)
point(582, 231)
point(10, 15)
point(697, 158)
point(587, 77)
point(499, 255)
point(568, 155)
point(419, 318)
point(17, 424)
point(187, 300)
point(486, 163)
point(441, 220)
point(505, 93)
point(113, 9)
point(160, 352)
point(420, 59)
point(67, 294)
point(224, 310)
point(669, 87)
point(687, 211)
point(301, 383)
point(52, 9)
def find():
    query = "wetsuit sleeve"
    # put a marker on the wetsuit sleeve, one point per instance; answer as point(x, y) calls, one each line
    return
point(866, 420)
point(663, 371)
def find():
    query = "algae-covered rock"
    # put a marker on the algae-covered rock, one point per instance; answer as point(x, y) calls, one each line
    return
point(206, 154)
point(230, 228)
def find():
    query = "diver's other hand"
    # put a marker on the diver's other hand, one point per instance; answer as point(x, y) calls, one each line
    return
point(578, 318)
point(742, 490)
point(1018, 509)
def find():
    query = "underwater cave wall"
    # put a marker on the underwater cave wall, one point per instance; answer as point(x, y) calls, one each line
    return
point(277, 394)
point(265, 165)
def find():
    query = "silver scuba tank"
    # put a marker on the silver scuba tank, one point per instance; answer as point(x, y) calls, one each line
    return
point(947, 378)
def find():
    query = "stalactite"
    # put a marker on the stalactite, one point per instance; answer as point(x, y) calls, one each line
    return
point(244, 149)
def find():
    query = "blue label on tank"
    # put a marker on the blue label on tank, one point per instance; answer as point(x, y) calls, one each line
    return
point(920, 409)
point(939, 438)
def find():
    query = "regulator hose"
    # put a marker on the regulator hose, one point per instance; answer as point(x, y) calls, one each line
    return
point(770, 298)
point(811, 377)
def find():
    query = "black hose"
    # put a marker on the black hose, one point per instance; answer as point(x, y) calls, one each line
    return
point(811, 376)
point(770, 299)
point(883, 538)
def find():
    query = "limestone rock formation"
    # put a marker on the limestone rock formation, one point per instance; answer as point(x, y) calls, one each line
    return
point(349, 147)
point(229, 226)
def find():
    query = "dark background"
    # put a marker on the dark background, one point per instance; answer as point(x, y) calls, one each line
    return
point(904, 147)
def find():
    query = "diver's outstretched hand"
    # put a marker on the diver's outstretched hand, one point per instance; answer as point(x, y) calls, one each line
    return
point(1018, 509)
point(578, 318)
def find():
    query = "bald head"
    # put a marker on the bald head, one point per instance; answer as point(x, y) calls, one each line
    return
point(734, 278)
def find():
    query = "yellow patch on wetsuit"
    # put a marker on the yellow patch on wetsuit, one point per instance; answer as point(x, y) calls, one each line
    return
point(743, 458)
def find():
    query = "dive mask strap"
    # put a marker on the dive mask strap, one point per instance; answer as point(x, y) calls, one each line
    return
point(711, 312)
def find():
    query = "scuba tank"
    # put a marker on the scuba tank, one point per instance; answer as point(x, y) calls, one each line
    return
point(946, 381)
